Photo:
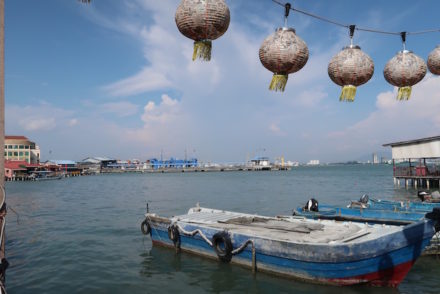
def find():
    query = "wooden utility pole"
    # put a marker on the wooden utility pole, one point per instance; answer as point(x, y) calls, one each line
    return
point(4, 263)
point(2, 93)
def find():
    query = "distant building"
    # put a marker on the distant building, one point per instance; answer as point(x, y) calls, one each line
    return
point(261, 163)
point(313, 162)
point(94, 165)
point(20, 148)
point(172, 163)
point(375, 159)
point(416, 161)
point(18, 169)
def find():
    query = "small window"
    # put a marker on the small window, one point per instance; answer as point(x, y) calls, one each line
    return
point(26, 153)
point(21, 153)
point(21, 146)
point(9, 146)
point(15, 153)
point(9, 153)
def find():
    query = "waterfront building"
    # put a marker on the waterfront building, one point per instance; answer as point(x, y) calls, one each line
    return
point(18, 169)
point(261, 163)
point(68, 167)
point(416, 162)
point(172, 163)
point(21, 148)
point(313, 162)
point(375, 158)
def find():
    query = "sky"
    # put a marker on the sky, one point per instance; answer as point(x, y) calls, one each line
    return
point(116, 79)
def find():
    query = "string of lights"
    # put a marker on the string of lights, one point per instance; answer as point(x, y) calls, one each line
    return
point(370, 30)
point(284, 52)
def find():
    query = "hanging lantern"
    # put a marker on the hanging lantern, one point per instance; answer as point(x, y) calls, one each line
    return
point(350, 68)
point(434, 61)
point(202, 21)
point(404, 70)
point(283, 52)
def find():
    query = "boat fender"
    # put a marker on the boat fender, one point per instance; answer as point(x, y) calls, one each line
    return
point(312, 205)
point(422, 195)
point(174, 235)
point(222, 246)
point(435, 215)
point(145, 227)
point(364, 199)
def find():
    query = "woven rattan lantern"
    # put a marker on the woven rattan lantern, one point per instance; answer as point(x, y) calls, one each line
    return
point(283, 53)
point(404, 70)
point(202, 21)
point(350, 68)
point(434, 61)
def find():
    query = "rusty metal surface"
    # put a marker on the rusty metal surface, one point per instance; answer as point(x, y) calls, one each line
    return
point(283, 52)
point(202, 19)
point(351, 66)
point(405, 69)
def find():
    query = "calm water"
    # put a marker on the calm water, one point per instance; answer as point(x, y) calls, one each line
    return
point(82, 235)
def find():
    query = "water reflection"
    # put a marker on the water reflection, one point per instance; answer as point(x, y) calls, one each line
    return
point(194, 272)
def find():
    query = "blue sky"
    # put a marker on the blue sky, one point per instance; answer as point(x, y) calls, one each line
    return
point(115, 78)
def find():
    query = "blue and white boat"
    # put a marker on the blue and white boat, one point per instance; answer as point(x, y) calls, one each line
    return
point(45, 176)
point(356, 213)
point(319, 251)
point(366, 202)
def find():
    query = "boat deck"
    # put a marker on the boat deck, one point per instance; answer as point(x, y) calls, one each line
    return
point(284, 228)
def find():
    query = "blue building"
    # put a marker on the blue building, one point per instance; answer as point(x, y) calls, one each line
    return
point(173, 163)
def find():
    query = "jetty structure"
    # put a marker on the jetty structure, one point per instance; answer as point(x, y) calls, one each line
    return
point(416, 162)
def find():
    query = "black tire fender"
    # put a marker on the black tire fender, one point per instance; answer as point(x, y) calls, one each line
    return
point(174, 235)
point(145, 227)
point(221, 242)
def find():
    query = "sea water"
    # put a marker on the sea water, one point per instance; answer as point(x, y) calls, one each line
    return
point(82, 234)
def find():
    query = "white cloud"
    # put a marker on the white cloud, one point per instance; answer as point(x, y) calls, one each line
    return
point(275, 129)
point(163, 113)
point(394, 120)
point(33, 118)
point(72, 122)
point(121, 109)
point(145, 80)
point(310, 98)
point(37, 124)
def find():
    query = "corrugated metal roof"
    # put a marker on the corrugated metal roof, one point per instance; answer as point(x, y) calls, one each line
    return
point(413, 142)
point(63, 162)
point(18, 164)
point(16, 138)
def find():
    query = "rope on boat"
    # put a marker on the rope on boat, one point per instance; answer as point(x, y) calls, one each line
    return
point(236, 251)
point(242, 247)
point(176, 229)
point(193, 233)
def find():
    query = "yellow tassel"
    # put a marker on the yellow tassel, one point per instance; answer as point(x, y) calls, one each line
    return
point(278, 82)
point(202, 50)
point(348, 93)
point(404, 93)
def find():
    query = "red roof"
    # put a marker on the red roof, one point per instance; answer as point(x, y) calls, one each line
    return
point(16, 137)
point(18, 164)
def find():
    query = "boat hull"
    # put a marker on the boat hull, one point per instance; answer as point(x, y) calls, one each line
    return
point(381, 262)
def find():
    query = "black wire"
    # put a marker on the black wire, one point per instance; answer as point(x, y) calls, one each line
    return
point(357, 28)
point(320, 18)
